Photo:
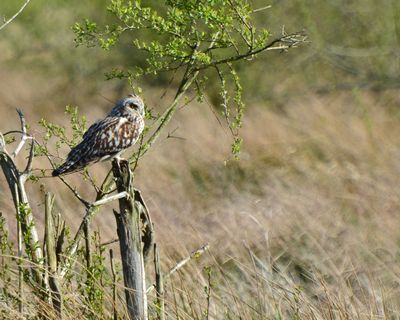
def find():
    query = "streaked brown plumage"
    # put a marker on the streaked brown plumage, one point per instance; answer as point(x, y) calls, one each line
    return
point(107, 138)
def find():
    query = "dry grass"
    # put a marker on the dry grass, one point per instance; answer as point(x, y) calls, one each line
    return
point(304, 226)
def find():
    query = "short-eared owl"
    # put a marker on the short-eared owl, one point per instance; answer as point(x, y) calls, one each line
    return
point(107, 138)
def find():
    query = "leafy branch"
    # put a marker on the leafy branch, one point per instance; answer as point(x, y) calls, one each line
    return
point(192, 36)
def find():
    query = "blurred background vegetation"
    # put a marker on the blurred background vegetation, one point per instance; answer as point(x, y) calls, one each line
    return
point(353, 45)
point(312, 207)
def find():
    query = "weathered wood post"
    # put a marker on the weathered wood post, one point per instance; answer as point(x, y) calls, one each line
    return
point(130, 242)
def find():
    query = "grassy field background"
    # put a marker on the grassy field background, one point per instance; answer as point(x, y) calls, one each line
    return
point(305, 225)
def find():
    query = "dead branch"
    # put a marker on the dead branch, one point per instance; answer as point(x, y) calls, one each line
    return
point(284, 42)
point(24, 135)
point(109, 199)
point(195, 254)
point(16, 183)
point(15, 15)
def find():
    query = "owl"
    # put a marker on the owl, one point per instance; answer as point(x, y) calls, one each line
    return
point(108, 138)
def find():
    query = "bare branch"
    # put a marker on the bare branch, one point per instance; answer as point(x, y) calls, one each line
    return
point(108, 242)
point(262, 8)
point(2, 144)
point(28, 167)
point(286, 40)
point(180, 264)
point(194, 254)
point(16, 182)
point(13, 131)
point(15, 15)
point(24, 137)
point(117, 196)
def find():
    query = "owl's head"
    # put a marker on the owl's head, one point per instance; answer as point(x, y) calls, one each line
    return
point(131, 104)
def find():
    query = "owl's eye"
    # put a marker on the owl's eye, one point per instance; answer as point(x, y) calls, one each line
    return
point(132, 105)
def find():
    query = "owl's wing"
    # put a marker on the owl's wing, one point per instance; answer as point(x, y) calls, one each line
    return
point(92, 129)
point(106, 137)
point(116, 135)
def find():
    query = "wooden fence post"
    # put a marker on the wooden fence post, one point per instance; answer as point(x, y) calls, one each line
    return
point(130, 241)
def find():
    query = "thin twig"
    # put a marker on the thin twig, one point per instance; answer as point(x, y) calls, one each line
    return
point(108, 242)
point(114, 286)
point(172, 136)
point(262, 8)
point(13, 131)
point(117, 196)
point(159, 285)
point(15, 15)
point(290, 40)
point(180, 264)
point(194, 254)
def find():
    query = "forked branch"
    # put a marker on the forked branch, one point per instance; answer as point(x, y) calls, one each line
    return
point(16, 183)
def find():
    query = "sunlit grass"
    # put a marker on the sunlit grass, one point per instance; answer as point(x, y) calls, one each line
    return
point(304, 226)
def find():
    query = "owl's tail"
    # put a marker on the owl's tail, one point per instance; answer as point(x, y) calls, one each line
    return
point(67, 167)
